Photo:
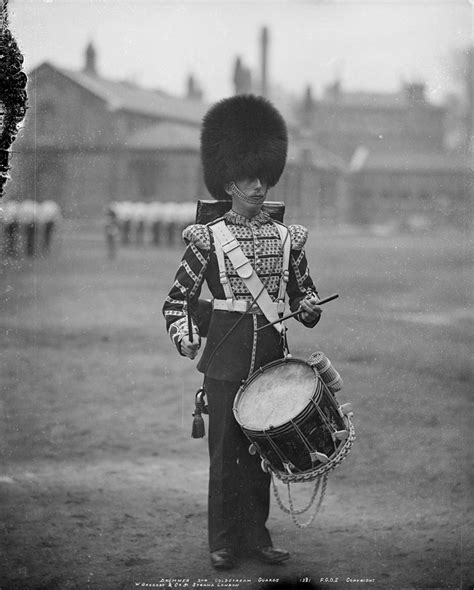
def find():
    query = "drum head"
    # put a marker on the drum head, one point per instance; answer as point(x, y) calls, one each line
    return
point(276, 395)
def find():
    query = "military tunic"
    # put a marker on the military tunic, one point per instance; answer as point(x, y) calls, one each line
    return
point(245, 350)
point(239, 495)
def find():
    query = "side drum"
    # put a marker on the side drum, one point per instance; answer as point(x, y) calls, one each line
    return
point(290, 417)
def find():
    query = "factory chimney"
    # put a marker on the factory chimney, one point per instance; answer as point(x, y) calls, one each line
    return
point(90, 59)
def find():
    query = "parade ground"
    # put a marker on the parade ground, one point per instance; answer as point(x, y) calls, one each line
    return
point(103, 487)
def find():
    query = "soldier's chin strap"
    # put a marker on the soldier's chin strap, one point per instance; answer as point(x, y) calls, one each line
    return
point(235, 191)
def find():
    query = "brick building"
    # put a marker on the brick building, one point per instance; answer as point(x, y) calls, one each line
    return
point(399, 165)
point(88, 140)
point(399, 121)
point(424, 188)
point(355, 157)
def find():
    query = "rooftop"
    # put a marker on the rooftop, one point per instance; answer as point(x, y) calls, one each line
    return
point(166, 136)
point(365, 160)
point(125, 96)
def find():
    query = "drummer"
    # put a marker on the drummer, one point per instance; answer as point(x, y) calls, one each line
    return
point(243, 151)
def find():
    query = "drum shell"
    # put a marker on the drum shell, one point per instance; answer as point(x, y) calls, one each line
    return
point(286, 442)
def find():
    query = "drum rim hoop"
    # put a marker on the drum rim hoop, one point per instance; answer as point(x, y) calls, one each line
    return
point(261, 370)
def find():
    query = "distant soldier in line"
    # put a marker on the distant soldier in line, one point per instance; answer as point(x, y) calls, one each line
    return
point(28, 221)
point(155, 222)
point(140, 217)
point(49, 215)
point(169, 220)
point(112, 231)
point(11, 227)
point(125, 219)
point(29, 225)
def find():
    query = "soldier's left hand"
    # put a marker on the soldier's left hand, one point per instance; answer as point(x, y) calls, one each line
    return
point(311, 311)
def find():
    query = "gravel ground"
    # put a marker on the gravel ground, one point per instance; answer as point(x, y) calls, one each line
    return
point(102, 487)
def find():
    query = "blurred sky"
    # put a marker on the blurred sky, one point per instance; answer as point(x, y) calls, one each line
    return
point(370, 44)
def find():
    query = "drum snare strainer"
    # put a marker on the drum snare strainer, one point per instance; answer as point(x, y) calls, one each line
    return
point(290, 415)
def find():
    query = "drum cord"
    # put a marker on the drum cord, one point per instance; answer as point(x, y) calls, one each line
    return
point(326, 468)
point(294, 512)
point(320, 475)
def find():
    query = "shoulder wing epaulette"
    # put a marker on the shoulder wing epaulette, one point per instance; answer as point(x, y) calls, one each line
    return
point(197, 234)
point(299, 235)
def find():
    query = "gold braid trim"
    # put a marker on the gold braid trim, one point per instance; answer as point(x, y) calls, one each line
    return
point(298, 235)
point(198, 235)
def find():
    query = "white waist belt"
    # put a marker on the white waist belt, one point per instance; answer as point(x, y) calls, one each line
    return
point(239, 305)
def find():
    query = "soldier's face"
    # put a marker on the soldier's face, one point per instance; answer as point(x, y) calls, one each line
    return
point(253, 188)
point(250, 192)
point(248, 195)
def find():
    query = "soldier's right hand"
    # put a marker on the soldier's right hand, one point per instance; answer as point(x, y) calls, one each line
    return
point(188, 348)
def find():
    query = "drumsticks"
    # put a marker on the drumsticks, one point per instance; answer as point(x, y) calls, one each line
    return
point(190, 324)
point(291, 315)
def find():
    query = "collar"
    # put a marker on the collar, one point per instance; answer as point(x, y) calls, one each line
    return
point(236, 219)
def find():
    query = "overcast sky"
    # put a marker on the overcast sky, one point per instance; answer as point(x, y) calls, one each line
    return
point(369, 44)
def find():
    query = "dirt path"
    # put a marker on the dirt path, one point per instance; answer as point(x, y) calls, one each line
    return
point(125, 524)
point(102, 487)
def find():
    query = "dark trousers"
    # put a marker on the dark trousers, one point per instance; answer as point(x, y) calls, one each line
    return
point(47, 234)
point(30, 233)
point(239, 491)
point(11, 237)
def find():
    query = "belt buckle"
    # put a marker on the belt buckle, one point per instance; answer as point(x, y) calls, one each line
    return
point(254, 309)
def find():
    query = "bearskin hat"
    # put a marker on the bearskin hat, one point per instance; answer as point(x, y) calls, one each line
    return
point(242, 137)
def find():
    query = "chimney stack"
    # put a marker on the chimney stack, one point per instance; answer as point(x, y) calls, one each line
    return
point(90, 61)
point(242, 78)
point(194, 91)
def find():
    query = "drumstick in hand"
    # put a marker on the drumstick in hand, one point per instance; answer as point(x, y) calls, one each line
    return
point(292, 315)
point(190, 324)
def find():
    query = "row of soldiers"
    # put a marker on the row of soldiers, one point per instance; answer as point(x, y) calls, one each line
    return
point(27, 227)
point(157, 223)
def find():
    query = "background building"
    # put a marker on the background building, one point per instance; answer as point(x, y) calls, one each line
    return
point(354, 157)
point(402, 121)
point(88, 140)
point(400, 167)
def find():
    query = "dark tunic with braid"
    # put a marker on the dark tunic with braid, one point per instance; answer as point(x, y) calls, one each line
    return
point(239, 491)
point(245, 350)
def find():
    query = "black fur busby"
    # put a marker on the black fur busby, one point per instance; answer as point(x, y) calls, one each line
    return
point(242, 137)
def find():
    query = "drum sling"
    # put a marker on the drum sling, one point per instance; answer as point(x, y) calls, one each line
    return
point(227, 244)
